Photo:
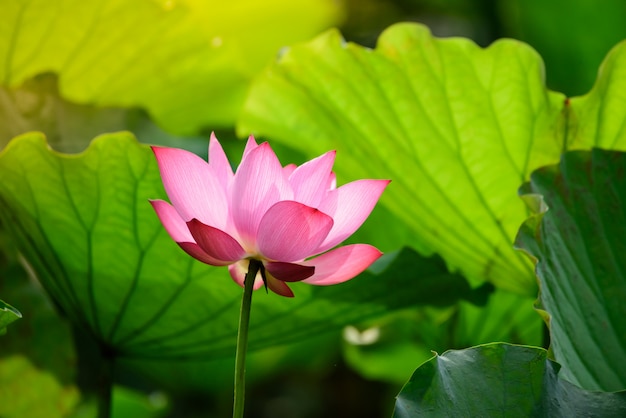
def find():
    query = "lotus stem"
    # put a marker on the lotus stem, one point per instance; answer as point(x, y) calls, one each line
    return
point(242, 339)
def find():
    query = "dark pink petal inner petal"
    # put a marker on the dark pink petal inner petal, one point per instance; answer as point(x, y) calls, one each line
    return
point(215, 242)
point(278, 286)
point(289, 272)
point(198, 253)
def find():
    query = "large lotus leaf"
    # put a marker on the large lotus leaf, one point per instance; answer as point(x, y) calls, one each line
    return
point(183, 379)
point(456, 127)
point(577, 241)
point(500, 380)
point(85, 225)
point(188, 62)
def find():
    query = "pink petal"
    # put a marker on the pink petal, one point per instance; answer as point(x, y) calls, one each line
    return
point(219, 162)
point(278, 286)
point(341, 264)
point(310, 180)
point(258, 183)
point(171, 220)
point(250, 145)
point(291, 231)
point(215, 242)
point(238, 272)
point(289, 272)
point(192, 186)
point(177, 228)
point(288, 169)
point(349, 206)
point(198, 253)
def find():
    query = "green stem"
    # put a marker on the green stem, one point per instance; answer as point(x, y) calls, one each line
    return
point(105, 386)
point(96, 362)
point(242, 338)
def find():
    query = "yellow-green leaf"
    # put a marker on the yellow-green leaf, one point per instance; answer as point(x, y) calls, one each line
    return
point(456, 127)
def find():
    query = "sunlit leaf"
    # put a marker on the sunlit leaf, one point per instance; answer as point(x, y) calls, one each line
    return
point(597, 118)
point(577, 240)
point(499, 380)
point(456, 127)
point(84, 224)
point(188, 62)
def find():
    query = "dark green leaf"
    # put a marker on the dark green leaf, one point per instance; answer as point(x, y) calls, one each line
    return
point(500, 380)
point(577, 241)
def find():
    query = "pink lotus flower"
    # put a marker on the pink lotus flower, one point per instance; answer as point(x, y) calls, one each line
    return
point(281, 216)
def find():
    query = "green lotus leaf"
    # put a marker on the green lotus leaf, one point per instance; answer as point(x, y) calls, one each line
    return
point(499, 379)
point(597, 118)
point(188, 62)
point(576, 238)
point(456, 127)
